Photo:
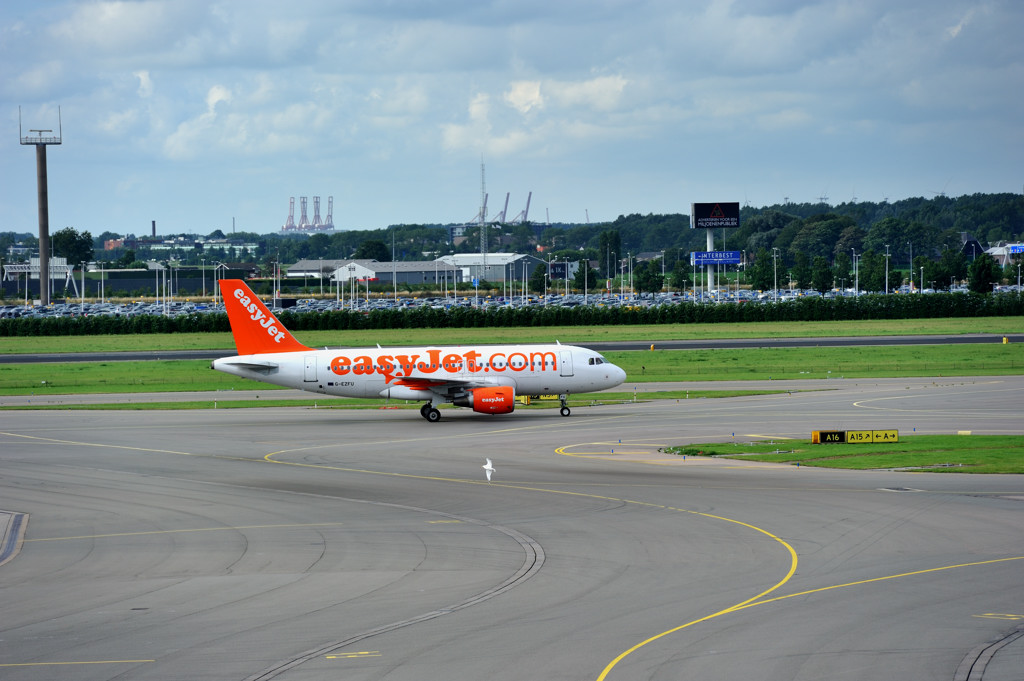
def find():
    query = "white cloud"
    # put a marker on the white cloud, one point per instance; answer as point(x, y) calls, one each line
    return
point(602, 93)
point(114, 27)
point(217, 94)
point(117, 122)
point(471, 135)
point(524, 96)
point(954, 31)
point(145, 83)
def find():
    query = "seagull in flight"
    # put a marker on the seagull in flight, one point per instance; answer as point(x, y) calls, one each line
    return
point(488, 469)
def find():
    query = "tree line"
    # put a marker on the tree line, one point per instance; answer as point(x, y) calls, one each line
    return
point(909, 234)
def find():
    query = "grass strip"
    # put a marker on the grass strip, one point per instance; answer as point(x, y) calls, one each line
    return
point(565, 334)
point(917, 453)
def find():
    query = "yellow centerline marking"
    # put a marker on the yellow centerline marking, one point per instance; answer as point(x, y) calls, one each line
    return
point(750, 603)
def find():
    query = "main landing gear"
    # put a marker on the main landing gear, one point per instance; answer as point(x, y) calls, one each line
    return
point(564, 411)
point(430, 413)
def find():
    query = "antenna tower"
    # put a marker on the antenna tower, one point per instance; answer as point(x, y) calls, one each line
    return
point(40, 144)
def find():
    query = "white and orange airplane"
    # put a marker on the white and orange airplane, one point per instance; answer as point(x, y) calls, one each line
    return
point(485, 378)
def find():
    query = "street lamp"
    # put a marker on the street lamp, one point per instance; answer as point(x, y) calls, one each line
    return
point(663, 271)
point(352, 284)
point(856, 275)
point(775, 267)
point(910, 272)
point(887, 269)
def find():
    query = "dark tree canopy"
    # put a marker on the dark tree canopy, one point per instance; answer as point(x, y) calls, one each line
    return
point(373, 249)
point(69, 243)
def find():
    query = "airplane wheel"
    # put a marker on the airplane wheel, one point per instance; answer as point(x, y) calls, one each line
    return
point(424, 408)
point(565, 411)
point(433, 415)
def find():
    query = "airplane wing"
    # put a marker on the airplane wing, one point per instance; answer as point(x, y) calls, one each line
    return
point(414, 387)
point(418, 383)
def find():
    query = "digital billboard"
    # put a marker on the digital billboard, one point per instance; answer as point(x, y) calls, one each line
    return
point(714, 215)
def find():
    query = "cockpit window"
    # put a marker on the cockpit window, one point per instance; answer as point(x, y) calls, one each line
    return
point(595, 360)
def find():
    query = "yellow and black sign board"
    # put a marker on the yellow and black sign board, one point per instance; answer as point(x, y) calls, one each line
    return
point(827, 437)
point(855, 436)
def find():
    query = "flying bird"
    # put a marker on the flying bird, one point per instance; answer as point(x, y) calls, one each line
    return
point(488, 469)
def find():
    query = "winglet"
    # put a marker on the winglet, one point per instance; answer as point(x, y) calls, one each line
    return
point(255, 328)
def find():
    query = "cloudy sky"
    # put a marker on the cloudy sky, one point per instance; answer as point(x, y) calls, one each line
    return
point(194, 112)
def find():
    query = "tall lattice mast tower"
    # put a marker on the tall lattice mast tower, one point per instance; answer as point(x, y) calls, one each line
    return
point(41, 142)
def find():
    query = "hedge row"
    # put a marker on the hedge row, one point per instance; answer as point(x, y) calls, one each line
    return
point(803, 309)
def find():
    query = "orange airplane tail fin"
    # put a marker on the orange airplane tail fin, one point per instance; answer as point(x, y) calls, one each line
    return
point(255, 328)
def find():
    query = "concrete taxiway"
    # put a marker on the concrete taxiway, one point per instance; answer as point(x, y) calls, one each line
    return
point(295, 543)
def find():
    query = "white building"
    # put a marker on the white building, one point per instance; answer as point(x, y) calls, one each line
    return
point(493, 267)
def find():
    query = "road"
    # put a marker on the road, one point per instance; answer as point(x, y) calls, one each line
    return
point(296, 543)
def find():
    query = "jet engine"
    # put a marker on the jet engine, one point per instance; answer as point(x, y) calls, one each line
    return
point(498, 400)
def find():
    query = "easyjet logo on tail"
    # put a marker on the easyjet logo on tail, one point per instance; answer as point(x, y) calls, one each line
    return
point(257, 315)
point(254, 327)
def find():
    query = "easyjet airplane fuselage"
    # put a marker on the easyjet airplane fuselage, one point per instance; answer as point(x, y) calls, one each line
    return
point(483, 378)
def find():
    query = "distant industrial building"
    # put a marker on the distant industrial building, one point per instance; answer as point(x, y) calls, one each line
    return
point(493, 266)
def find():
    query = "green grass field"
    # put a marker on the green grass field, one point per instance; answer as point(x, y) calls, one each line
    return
point(565, 334)
point(931, 453)
point(641, 366)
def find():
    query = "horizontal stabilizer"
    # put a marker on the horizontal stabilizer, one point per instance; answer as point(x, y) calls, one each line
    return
point(263, 365)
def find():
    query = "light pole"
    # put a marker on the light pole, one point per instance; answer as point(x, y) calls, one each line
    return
point(216, 268)
point(910, 272)
point(352, 285)
point(856, 274)
point(887, 269)
point(922, 278)
point(631, 275)
point(775, 268)
point(663, 271)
